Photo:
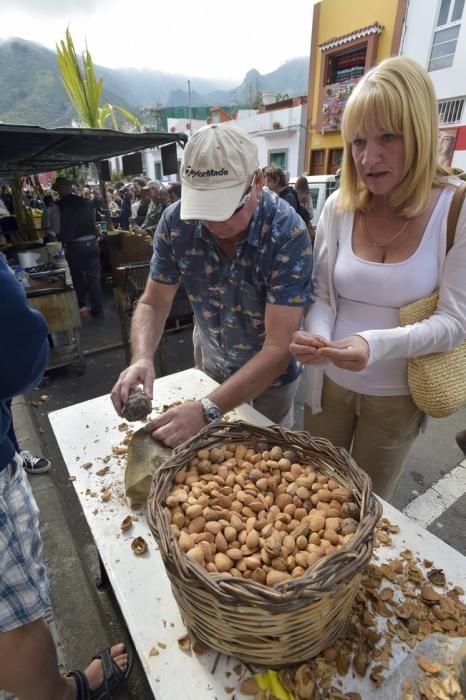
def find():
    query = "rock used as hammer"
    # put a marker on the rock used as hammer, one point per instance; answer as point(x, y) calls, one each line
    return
point(138, 405)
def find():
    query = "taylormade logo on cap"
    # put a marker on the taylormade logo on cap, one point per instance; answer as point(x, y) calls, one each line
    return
point(190, 172)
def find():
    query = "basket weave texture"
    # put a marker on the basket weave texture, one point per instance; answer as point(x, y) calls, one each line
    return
point(296, 619)
point(437, 381)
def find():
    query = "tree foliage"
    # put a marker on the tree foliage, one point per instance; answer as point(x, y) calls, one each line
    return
point(85, 90)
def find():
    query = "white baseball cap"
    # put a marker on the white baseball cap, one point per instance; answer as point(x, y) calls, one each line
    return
point(218, 162)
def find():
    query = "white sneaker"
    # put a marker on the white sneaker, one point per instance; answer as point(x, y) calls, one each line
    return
point(33, 464)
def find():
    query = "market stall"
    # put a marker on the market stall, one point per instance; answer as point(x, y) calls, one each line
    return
point(389, 616)
point(28, 150)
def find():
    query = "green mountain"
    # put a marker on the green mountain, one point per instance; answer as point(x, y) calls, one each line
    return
point(31, 91)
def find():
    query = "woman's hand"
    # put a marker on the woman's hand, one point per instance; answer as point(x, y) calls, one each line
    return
point(140, 372)
point(351, 353)
point(306, 347)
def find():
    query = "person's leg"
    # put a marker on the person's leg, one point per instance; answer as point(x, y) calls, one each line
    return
point(11, 435)
point(461, 441)
point(28, 663)
point(337, 420)
point(277, 403)
point(31, 463)
point(76, 262)
point(385, 431)
point(29, 667)
point(93, 276)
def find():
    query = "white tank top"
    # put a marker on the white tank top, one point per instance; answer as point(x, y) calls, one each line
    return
point(370, 295)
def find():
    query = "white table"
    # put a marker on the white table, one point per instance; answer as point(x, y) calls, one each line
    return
point(87, 432)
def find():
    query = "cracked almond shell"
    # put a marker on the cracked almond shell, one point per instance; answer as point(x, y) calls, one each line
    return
point(139, 545)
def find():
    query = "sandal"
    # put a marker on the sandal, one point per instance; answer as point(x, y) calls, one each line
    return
point(113, 678)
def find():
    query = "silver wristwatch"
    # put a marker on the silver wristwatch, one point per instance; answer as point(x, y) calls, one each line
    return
point(212, 412)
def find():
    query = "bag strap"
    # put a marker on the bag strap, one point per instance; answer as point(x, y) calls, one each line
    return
point(454, 212)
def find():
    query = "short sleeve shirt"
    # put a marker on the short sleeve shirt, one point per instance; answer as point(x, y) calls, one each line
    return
point(273, 265)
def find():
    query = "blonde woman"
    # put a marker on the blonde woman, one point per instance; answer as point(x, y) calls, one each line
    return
point(381, 244)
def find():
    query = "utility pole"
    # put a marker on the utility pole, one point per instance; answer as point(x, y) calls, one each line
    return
point(189, 109)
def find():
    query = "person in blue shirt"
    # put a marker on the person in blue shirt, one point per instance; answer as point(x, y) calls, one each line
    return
point(29, 667)
point(245, 259)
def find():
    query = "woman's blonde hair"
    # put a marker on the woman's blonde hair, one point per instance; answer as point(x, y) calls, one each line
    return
point(398, 97)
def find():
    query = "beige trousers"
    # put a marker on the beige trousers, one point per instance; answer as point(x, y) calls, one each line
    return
point(378, 431)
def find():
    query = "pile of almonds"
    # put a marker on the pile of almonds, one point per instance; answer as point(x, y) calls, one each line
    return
point(258, 513)
point(396, 604)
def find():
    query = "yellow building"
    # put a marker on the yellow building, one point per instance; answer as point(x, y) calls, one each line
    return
point(348, 38)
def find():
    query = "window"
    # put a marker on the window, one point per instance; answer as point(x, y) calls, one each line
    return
point(446, 34)
point(348, 65)
point(158, 170)
point(336, 154)
point(278, 158)
point(451, 111)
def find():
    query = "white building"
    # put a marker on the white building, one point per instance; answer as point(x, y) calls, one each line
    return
point(279, 131)
point(435, 36)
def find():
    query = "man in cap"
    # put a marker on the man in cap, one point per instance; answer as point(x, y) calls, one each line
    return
point(245, 259)
point(78, 233)
point(154, 211)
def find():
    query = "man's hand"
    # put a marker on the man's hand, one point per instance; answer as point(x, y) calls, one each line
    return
point(351, 353)
point(140, 372)
point(305, 347)
point(177, 424)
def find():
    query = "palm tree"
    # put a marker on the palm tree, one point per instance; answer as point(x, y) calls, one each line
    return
point(85, 91)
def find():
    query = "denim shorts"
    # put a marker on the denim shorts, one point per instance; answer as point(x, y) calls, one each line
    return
point(24, 590)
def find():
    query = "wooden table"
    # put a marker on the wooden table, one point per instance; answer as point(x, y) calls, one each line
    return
point(87, 432)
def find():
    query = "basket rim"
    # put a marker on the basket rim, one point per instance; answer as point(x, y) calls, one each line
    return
point(325, 576)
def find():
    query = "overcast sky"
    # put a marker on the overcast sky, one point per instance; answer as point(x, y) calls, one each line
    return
point(201, 38)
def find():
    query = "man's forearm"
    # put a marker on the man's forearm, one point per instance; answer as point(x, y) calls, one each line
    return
point(252, 379)
point(146, 330)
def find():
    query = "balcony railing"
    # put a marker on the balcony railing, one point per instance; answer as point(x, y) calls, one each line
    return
point(451, 111)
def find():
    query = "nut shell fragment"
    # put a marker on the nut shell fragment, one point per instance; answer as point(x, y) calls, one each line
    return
point(126, 523)
point(139, 545)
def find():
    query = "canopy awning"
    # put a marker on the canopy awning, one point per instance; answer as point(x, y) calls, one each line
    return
point(28, 150)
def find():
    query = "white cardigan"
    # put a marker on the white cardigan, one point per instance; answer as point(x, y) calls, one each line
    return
point(445, 329)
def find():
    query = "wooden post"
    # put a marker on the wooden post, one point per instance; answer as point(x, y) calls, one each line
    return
point(103, 194)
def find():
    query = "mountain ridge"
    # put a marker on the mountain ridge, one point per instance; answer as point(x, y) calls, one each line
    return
point(31, 91)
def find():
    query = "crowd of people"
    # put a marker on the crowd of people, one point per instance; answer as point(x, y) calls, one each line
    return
point(77, 217)
point(267, 304)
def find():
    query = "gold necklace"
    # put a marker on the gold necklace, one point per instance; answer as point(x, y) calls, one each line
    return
point(387, 243)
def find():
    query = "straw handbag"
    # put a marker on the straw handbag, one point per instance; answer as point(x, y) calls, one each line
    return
point(438, 380)
point(293, 620)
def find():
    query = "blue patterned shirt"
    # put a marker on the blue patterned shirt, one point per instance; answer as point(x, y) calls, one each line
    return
point(273, 265)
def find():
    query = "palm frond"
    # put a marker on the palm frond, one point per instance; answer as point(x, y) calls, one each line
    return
point(85, 90)
point(130, 117)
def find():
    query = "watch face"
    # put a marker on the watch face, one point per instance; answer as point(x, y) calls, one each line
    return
point(213, 413)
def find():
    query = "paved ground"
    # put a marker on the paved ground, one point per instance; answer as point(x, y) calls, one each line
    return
point(432, 490)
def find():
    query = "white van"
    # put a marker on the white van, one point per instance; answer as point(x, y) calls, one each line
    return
point(321, 187)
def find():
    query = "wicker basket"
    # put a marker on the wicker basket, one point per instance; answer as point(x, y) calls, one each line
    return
point(294, 620)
